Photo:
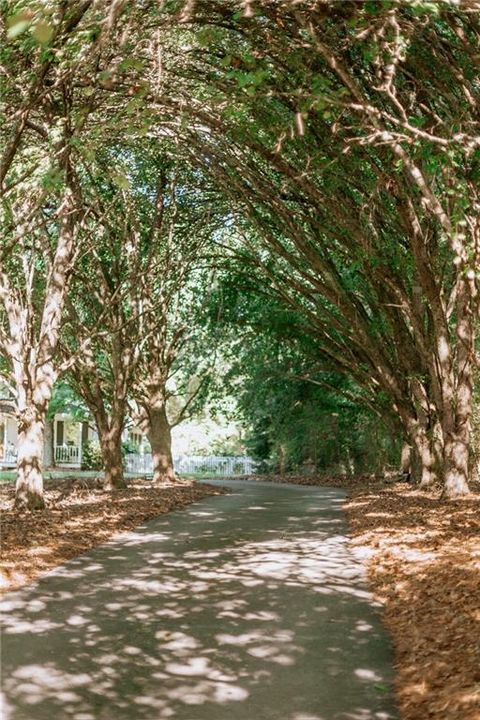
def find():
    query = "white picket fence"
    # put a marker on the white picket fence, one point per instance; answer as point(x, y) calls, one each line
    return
point(221, 465)
point(67, 455)
point(215, 464)
point(136, 463)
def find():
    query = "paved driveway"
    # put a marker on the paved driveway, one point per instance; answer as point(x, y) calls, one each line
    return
point(248, 606)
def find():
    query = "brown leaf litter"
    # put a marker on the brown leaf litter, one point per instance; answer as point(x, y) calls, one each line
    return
point(79, 516)
point(424, 566)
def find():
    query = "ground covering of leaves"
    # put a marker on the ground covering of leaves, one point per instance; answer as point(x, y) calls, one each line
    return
point(346, 482)
point(79, 516)
point(423, 561)
point(424, 566)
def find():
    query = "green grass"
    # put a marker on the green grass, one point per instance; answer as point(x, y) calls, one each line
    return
point(201, 476)
point(10, 475)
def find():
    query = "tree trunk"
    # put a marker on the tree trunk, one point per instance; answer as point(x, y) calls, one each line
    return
point(475, 447)
point(160, 437)
point(457, 457)
point(29, 486)
point(456, 426)
point(111, 445)
point(426, 471)
point(459, 403)
point(475, 472)
point(406, 460)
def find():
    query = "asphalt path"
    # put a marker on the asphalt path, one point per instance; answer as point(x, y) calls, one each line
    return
point(246, 606)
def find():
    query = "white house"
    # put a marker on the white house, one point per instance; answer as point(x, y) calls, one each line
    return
point(65, 437)
point(8, 432)
point(68, 438)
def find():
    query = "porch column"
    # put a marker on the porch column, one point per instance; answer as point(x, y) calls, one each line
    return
point(55, 443)
point(3, 444)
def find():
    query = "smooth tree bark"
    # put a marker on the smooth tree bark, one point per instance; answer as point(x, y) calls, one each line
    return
point(160, 438)
point(457, 411)
point(152, 399)
point(29, 485)
point(151, 396)
point(406, 459)
point(110, 432)
point(30, 347)
point(425, 474)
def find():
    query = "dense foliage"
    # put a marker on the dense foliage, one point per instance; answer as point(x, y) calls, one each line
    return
point(300, 416)
point(327, 151)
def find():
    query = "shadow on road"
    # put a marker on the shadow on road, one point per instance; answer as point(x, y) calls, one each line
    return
point(247, 606)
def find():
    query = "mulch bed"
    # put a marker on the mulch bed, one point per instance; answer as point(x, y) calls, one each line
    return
point(423, 562)
point(79, 516)
point(424, 567)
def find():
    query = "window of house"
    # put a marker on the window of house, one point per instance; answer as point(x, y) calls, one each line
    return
point(60, 426)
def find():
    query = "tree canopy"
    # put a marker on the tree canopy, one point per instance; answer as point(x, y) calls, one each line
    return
point(159, 158)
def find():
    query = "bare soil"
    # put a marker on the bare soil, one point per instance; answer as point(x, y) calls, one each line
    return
point(79, 516)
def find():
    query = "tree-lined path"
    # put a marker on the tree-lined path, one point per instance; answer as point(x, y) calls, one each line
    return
point(250, 605)
point(259, 213)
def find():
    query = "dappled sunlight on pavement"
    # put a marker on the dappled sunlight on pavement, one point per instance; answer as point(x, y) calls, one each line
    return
point(250, 606)
point(78, 519)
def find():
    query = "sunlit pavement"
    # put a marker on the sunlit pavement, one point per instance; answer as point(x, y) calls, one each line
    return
point(247, 606)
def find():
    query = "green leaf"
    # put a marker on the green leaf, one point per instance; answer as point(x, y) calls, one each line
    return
point(372, 7)
point(370, 51)
point(121, 180)
point(131, 63)
point(105, 76)
point(425, 7)
point(417, 120)
point(17, 24)
point(43, 32)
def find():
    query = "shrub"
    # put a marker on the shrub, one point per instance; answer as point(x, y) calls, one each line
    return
point(92, 456)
